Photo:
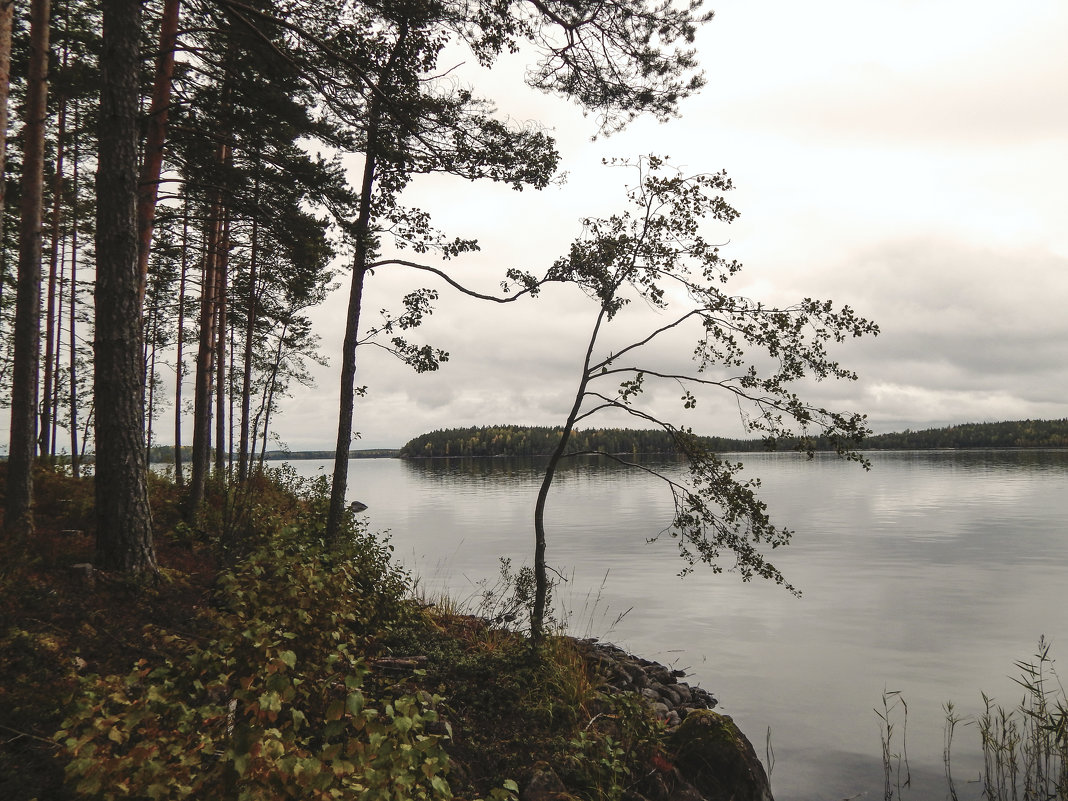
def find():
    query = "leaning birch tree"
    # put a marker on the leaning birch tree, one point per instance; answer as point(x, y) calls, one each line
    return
point(655, 255)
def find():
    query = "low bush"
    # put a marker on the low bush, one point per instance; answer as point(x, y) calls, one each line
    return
point(268, 699)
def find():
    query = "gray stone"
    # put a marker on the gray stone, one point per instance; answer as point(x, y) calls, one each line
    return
point(544, 785)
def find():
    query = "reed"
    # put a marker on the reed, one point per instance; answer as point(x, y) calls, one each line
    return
point(1024, 747)
point(893, 728)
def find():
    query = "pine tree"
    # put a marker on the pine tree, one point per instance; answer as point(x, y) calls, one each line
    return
point(124, 520)
point(18, 517)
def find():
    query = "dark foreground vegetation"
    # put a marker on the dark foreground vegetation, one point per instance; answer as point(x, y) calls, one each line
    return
point(507, 440)
point(263, 665)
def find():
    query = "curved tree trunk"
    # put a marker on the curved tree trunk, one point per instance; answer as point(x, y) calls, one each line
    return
point(541, 577)
point(348, 353)
point(124, 521)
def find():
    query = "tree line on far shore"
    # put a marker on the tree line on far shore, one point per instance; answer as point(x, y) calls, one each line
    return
point(506, 440)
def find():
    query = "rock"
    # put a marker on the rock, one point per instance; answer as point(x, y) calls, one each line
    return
point(661, 710)
point(357, 506)
point(684, 791)
point(83, 573)
point(544, 785)
point(712, 754)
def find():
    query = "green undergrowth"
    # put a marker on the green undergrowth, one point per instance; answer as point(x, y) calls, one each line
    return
point(266, 665)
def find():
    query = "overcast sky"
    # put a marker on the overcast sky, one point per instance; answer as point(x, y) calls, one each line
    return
point(907, 158)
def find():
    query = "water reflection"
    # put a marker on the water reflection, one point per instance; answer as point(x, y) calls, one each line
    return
point(930, 574)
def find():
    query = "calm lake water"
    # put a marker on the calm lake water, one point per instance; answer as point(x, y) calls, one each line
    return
point(929, 575)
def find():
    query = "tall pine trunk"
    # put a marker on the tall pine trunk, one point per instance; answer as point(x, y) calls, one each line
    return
point(179, 371)
point(7, 8)
point(200, 459)
point(18, 516)
point(57, 366)
point(152, 166)
point(124, 521)
point(75, 455)
point(47, 442)
point(250, 332)
point(220, 350)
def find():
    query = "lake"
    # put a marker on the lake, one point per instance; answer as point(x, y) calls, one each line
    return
point(930, 575)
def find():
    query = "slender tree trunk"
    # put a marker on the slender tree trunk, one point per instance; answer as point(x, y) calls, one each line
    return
point(250, 332)
point(269, 390)
point(51, 334)
point(54, 400)
point(231, 395)
point(152, 166)
point(124, 520)
point(179, 476)
point(201, 456)
point(348, 353)
point(150, 379)
point(75, 455)
point(220, 351)
point(18, 516)
point(6, 13)
point(541, 576)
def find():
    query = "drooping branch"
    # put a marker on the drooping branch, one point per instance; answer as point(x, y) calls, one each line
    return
point(642, 252)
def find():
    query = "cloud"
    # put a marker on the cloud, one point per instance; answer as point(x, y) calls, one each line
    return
point(967, 333)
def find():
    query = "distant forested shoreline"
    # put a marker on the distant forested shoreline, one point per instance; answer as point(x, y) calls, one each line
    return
point(505, 440)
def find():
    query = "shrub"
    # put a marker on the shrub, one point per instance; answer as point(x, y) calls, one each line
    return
point(269, 699)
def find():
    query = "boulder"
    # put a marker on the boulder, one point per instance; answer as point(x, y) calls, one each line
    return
point(544, 785)
point(711, 752)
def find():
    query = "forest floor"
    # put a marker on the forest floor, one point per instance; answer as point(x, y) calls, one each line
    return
point(64, 629)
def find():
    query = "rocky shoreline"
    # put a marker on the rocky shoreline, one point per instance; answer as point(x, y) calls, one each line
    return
point(707, 758)
point(671, 700)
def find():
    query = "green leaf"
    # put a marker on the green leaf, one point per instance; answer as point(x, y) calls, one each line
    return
point(354, 703)
point(289, 658)
point(441, 787)
point(299, 719)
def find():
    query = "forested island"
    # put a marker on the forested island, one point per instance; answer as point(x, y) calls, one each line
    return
point(505, 440)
